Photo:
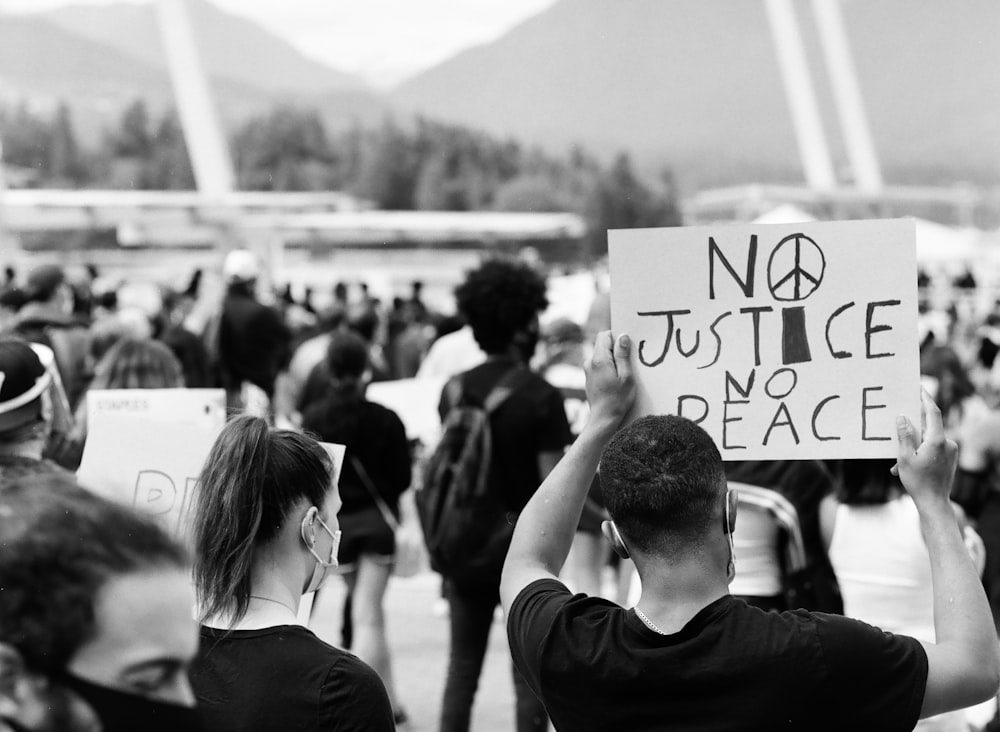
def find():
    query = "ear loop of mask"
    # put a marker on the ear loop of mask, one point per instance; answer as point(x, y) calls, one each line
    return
point(728, 528)
point(617, 542)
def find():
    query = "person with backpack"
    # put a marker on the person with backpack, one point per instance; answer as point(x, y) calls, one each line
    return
point(504, 429)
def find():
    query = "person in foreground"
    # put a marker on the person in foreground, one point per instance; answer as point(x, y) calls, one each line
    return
point(266, 533)
point(96, 630)
point(690, 656)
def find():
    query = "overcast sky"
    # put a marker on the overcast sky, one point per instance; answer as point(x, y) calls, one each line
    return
point(381, 40)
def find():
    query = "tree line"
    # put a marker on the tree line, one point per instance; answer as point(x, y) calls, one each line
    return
point(417, 165)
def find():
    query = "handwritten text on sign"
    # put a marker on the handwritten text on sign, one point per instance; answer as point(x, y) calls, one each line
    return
point(782, 341)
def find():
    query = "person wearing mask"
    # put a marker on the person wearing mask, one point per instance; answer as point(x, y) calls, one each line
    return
point(265, 534)
point(501, 300)
point(33, 410)
point(96, 631)
point(689, 655)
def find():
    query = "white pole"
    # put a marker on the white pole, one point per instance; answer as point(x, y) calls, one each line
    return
point(813, 149)
point(847, 95)
point(206, 143)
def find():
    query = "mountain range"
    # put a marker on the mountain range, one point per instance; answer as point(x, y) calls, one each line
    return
point(690, 83)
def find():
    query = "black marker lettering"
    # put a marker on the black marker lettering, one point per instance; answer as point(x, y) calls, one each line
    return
point(744, 391)
point(816, 411)
point(726, 419)
point(680, 407)
point(865, 408)
point(666, 341)
point(870, 329)
point(718, 339)
point(782, 409)
point(746, 284)
point(829, 322)
point(755, 312)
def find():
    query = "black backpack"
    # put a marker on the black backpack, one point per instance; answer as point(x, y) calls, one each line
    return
point(467, 527)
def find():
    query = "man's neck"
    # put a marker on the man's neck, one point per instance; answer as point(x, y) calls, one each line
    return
point(674, 592)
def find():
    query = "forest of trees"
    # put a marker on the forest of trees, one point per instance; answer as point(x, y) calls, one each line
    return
point(421, 165)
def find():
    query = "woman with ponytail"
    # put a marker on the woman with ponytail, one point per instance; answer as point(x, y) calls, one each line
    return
point(376, 472)
point(266, 533)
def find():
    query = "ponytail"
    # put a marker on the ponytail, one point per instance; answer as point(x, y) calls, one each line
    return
point(252, 479)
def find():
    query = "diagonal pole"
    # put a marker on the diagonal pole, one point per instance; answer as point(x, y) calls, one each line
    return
point(847, 95)
point(206, 143)
point(813, 149)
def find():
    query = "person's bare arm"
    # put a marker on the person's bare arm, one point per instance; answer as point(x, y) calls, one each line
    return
point(964, 663)
point(548, 522)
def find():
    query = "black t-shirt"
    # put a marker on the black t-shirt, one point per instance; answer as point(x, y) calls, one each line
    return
point(285, 678)
point(375, 437)
point(596, 666)
point(531, 421)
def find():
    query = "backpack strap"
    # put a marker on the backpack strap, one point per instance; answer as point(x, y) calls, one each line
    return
point(508, 384)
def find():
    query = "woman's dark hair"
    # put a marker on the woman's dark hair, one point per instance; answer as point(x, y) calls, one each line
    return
point(499, 299)
point(137, 363)
point(61, 544)
point(347, 356)
point(866, 482)
point(253, 477)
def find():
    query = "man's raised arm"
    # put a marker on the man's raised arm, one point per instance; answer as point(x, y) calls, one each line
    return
point(548, 523)
point(964, 663)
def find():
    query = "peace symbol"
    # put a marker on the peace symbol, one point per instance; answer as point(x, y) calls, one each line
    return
point(795, 269)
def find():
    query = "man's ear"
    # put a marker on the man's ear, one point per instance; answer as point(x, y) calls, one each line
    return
point(614, 538)
point(732, 505)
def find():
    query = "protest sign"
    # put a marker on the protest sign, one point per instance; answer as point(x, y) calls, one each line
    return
point(785, 341)
point(162, 404)
point(149, 464)
point(415, 401)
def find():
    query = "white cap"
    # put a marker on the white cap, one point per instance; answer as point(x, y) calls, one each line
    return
point(240, 265)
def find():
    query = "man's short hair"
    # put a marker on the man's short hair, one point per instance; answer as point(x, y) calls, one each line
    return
point(61, 544)
point(500, 298)
point(663, 483)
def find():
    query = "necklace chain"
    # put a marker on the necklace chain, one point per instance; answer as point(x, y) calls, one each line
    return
point(648, 622)
point(276, 602)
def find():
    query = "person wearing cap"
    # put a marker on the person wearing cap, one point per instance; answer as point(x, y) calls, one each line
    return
point(254, 342)
point(47, 318)
point(31, 406)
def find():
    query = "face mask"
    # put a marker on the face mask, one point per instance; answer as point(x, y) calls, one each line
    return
point(121, 711)
point(322, 567)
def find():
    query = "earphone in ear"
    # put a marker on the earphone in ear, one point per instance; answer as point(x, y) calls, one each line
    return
point(614, 537)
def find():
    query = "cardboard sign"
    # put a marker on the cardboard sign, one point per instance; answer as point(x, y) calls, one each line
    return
point(150, 464)
point(786, 341)
point(161, 404)
point(415, 401)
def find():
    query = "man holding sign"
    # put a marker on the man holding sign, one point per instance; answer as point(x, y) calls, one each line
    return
point(691, 657)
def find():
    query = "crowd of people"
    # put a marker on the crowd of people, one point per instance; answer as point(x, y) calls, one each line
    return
point(645, 583)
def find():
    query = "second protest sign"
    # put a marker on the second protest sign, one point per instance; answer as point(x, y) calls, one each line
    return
point(783, 341)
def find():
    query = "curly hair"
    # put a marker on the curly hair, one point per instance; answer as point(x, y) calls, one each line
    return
point(663, 482)
point(499, 299)
point(61, 544)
